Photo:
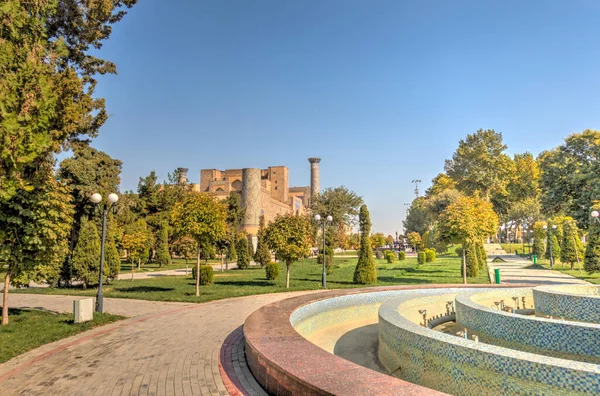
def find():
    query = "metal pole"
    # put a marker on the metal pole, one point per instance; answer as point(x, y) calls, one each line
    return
point(99, 296)
point(324, 258)
point(550, 246)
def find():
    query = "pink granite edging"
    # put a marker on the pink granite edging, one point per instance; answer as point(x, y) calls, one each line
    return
point(285, 363)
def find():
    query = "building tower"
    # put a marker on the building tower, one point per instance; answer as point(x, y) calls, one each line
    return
point(251, 199)
point(182, 175)
point(314, 178)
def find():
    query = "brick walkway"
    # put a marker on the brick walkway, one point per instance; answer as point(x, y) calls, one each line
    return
point(174, 350)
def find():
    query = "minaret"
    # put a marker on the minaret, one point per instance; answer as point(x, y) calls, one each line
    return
point(314, 178)
point(182, 175)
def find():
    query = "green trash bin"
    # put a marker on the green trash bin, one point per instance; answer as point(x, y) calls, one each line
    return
point(534, 259)
point(497, 275)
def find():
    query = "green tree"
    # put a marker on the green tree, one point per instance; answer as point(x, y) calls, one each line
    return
point(479, 164)
point(34, 225)
point(186, 247)
point(135, 240)
point(365, 272)
point(524, 181)
point(202, 217)
point(417, 219)
point(48, 81)
point(111, 253)
point(289, 237)
point(340, 203)
point(415, 240)
point(86, 256)
point(262, 255)
point(377, 240)
point(591, 262)
point(243, 260)
point(88, 171)
point(472, 261)
point(163, 256)
point(572, 248)
point(539, 238)
point(570, 176)
point(442, 182)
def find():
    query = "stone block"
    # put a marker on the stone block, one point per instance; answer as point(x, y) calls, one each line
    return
point(83, 310)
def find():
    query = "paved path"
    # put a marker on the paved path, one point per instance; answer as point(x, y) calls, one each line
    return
point(514, 270)
point(172, 351)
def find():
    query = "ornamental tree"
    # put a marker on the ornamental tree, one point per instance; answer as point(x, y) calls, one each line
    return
point(86, 256)
point(163, 256)
point(365, 271)
point(202, 217)
point(414, 239)
point(572, 248)
point(243, 259)
point(262, 255)
point(289, 237)
point(468, 220)
point(539, 238)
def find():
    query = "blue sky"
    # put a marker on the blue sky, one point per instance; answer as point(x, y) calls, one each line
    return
point(380, 90)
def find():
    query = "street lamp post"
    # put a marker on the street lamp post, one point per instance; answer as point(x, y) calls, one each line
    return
point(328, 219)
point(112, 200)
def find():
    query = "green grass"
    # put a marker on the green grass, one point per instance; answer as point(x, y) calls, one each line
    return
point(28, 329)
point(304, 276)
point(175, 264)
point(566, 269)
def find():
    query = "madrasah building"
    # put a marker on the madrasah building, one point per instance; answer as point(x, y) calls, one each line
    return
point(264, 192)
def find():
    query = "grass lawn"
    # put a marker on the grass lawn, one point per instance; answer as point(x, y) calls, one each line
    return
point(566, 269)
point(175, 264)
point(304, 276)
point(520, 248)
point(28, 329)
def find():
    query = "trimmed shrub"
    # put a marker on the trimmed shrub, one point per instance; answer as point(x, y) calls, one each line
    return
point(378, 254)
point(243, 259)
point(206, 274)
point(421, 258)
point(86, 256)
point(389, 256)
point(481, 255)
point(472, 261)
point(365, 271)
point(401, 255)
point(459, 251)
point(429, 255)
point(272, 271)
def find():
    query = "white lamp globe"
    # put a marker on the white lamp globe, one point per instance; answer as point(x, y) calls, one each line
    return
point(96, 198)
point(112, 198)
point(318, 217)
point(595, 214)
point(329, 219)
point(545, 227)
point(554, 227)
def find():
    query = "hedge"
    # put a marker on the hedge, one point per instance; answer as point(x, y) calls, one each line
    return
point(206, 274)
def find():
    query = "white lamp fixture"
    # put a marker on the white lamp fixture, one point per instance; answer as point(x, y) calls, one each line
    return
point(329, 219)
point(96, 198)
point(595, 214)
point(318, 217)
point(112, 198)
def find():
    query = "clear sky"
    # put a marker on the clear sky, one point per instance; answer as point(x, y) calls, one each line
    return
point(380, 90)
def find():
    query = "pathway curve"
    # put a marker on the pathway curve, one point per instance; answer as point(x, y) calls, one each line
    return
point(515, 269)
point(169, 349)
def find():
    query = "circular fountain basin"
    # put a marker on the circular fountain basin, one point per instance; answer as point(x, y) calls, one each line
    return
point(573, 302)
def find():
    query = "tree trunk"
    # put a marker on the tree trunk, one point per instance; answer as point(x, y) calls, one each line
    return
point(287, 275)
point(132, 267)
point(464, 264)
point(5, 299)
point(139, 263)
point(198, 275)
